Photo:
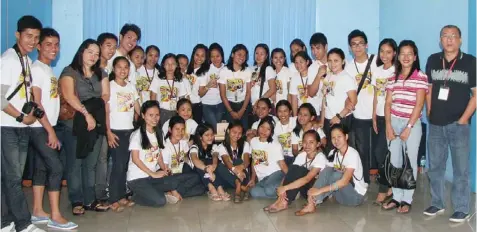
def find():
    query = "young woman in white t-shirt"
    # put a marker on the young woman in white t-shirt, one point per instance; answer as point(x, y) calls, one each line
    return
point(212, 106)
point(343, 178)
point(147, 73)
point(123, 104)
point(234, 84)
point(301, 174)
point(169, 87)
point(197, 69)
point(176, 161)
point(262, 85)
point(151, 185)
point(203, 154)
point(299, 82)
point(263, 109)
point(281, 73)
point(234, 152)
point(184, 110)
point(338, 86)
point(305, 121)
point(137, 57)
point(296, 45)
point(284, 129)
point(268, 163)
point(385, 70)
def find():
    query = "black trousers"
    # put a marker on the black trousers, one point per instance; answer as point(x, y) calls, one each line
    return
point(150, 191)
point(197, 112)
point(361, 141)
point(120, 156)
point(296, 172)
point(189, 183)
point(228, 177)
point(379, 152)
point(206, 181)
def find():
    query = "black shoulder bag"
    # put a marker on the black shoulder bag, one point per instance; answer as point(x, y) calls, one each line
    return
point(402, 177)
point(365, 74)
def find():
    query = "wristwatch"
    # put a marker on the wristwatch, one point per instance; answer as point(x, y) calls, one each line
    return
point(339, 117)
point(409, 126)
point(20, 118)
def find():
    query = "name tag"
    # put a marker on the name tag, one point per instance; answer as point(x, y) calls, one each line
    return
point(443, 93)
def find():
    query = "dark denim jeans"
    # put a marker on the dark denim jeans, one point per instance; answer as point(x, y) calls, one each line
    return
point(213, 114)
point(14, 152)
point(150, 191)
point(48, 168)
point(380, 150)
point(441, 138)
point(61, 129)
point(103, 172)
point(81, 172)
point(120, 156)
point(361, 130)
point(236, 107)
point(345, 196)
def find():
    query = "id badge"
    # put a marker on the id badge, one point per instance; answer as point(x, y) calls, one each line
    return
point(172, 105)
point(236, 96)
point(443, 93)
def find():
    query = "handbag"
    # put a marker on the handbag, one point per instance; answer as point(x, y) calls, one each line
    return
point(402, 177)
point(67, 112)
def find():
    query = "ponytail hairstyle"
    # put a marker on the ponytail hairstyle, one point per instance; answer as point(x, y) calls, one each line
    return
point(176, 119)
point(240, 142)
point(153, 47)
point(196, 138)
point(266, 101)
point(268, 119)
point(278, 50)
point(137, 48)
point(183, 101)
point(317, 137)
point(284, 103)
point(298, 42)
point(311, 109)
point(141, 124)
point(112, 75)
point(344, 129)
point(305, 56)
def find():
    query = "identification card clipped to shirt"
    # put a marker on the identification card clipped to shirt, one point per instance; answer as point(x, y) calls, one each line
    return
point(443, 93)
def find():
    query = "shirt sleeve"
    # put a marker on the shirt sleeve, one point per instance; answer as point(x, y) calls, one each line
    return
point(353, 160)
point(320, 161)
point(294, 139)
point(321, 133)
point(247, 76)
point(278, 150)
point(193, 127)
point(247, 148)
point(472, 72)
point(183, 88)
point(223, 76)
point(166, 155)
point(293, 85)
point(135, 141)
point(270, 73)
point(165, 128)
point(350, 84)
point(38, 80)
point(203, 81)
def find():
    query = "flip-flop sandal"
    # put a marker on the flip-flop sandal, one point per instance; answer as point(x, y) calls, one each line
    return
point(96, 206)
point(396, 205)
point(117, 209)
point(79, 208)
point(276, 210)
point(409, 206)
point(246, 196)
point(225, 197)
point(237, 199)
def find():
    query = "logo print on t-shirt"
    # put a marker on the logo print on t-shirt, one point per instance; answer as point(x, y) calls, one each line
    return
point(366, 86)
point(177, 162)
point(234, 85)
point(166, 93)
point(328, 87)
point(302, 93)
point(260, 157)
point(381, 86)
point(192, 78)
point(285, 140)
point(142, 84)
point(214, 76)
point(279, 86)
point(53, 87)
point(22, 92)
point(125, 101)
point(152, 154)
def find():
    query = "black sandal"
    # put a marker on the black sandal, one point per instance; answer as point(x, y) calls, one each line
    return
point(396, 205)
point(78, 206)
point(409, 206)
point(96, 206)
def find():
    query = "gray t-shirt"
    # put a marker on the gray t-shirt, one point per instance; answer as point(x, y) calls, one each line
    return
point(86, 88)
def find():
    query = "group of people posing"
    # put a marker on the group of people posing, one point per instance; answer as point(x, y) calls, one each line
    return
point(138, 132)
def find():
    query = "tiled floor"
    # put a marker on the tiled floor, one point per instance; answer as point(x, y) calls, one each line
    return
point(200, 214)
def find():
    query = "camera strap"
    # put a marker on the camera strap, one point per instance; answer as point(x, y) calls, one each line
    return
point(26, 79)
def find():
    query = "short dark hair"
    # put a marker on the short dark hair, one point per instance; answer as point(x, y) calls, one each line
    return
point(451, 26)
point(131, 27)
point(106, 35)
point(28, 22)
point(357, 33)
point(216, 46)
point(318, 38)
point(338, 52)
point(48, 32)
point(182, 56)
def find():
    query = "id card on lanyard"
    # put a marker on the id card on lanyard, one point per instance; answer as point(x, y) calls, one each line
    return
point(444, 90)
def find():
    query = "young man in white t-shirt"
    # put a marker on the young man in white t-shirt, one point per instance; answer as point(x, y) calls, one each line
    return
point(15, 69)
point(128, 37)
point(360, 136)
point(108, 43)
point(319, 49)
point(48, 167)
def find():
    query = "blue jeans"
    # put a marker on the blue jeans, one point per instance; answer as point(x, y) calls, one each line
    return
point(61, 129)
point(14, 152)
point(412, 143)
point(120, 156)
point(345, 196)
point(236, 107)
point(267, 187)
point(441, 138)
point(81, 172)
point(212, 114)
point(48, 167)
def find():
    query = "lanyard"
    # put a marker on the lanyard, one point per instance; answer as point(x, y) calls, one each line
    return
point(26, 79)
point(304, 83)
point(171, 88)
point(307, 164)
point(234, 153)
point(175, 151)
point(338, 158)
point(356, 66)
point(147, 74)
point(450, 69)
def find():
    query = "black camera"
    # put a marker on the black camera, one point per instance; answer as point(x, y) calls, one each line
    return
point(37, 112)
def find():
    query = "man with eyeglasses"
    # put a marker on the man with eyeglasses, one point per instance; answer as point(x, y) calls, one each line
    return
point(450, 104)
point(362, 123)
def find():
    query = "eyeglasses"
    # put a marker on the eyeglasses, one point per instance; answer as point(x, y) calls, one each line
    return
point(451, 36)
point(360, 44)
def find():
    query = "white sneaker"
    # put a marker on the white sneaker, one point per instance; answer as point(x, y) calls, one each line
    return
point(32, 228)
point(171, 199)
point(9, 228)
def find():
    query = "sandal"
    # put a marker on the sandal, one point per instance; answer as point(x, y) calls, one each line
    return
point(77, 209)
point(246, 196)
point(225, 197)
point(116, 207)
point(96, 206)
point(387, 207)
point(276, 210)
point(303, 212)
point(404, 204)
point(237, 198)
point(214, 197)
point(126, 202)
